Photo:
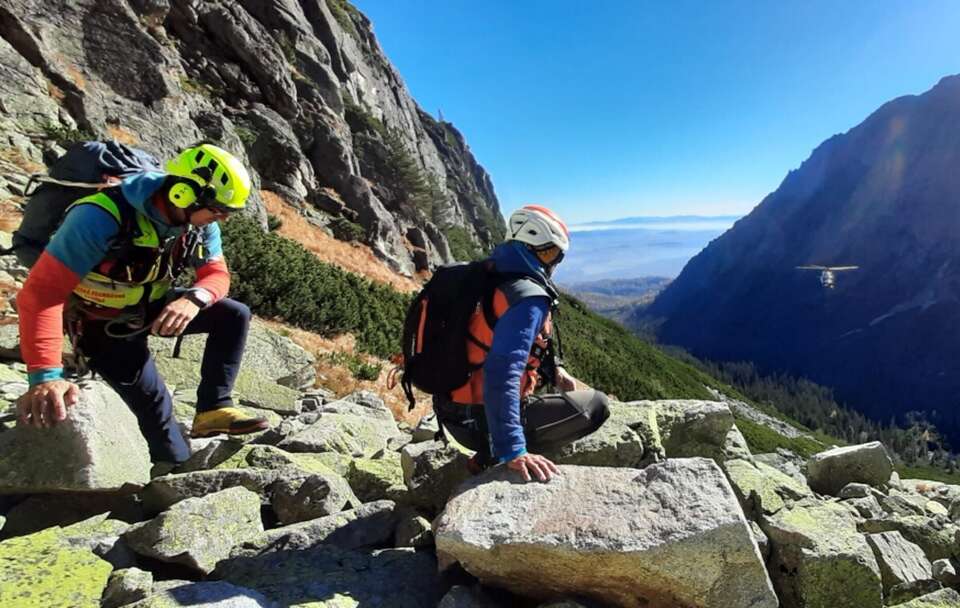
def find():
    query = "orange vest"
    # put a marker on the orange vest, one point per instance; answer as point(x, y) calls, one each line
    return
point(479, 341)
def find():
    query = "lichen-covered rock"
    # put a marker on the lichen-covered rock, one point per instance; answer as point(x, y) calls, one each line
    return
point(40, 570)
point(820, 560)
point(346, 434)
point(378, 478)
point(945, 572)
point(945, 598)
point(867, 508)
point(229, 454)
point(267, 358)
point(360, 403)
point(426, 429)
point(786, 462)
point(332, 577)
point(856, 490)
point(97, 448)
point(763, 543)
point(937, 538)
point(828, 472)
point(614, 444)
point(896, 504)
point(432, 470)
point(47, 510)
point(252, 388)
point(198, 532)
point(761, 488)
point(369, 525)
point(671, 534)
point(126, 586)
point(318, 495)
point(694, 428)
point(413, 530)
point(736, 446)
point(276, 434)
point(102, 536)
point(168, 490)
point(904, 592)
point(210, 594)
point(461, 596)
point(900, 560)
point(641, 417)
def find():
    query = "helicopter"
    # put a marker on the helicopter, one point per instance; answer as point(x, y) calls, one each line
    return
point(828, 277)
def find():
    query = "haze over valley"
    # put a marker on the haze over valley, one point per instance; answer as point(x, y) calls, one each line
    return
point(637, 247)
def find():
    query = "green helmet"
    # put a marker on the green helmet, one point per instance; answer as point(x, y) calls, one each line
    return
point(222, 179)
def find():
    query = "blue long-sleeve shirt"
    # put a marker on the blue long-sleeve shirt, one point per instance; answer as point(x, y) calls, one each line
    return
point(504, 366)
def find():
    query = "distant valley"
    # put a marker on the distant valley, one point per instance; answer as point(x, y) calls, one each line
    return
point(884, 196)
point(617, 299)
point(635, 247)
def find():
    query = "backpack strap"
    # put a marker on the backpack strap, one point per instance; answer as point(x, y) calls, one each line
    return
point(523, 287)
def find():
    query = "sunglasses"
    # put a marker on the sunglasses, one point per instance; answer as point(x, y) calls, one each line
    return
point(550, 255)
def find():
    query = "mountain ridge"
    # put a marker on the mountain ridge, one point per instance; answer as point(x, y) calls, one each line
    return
point(882, 196)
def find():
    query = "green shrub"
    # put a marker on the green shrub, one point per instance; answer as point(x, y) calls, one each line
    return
point(415, 192)
point(360, 369)
point(66, 136)
point(345, 230)
point(273, 222)
point(342, 11)
point(195, 87)
point(762, 440)
point(462, 246)
point(279, 278)
point(247, 136)
point(609, 358)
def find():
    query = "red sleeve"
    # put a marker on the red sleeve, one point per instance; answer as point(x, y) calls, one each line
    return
point(40, 306)
point(214, 277)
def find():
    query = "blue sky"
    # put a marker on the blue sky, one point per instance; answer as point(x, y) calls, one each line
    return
point(605, 109)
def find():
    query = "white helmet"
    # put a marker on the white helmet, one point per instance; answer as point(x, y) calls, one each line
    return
point(538, 227)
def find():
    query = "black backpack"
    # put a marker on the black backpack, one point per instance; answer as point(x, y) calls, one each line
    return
point(434, 353)
point(76, 174)
point(436, 328)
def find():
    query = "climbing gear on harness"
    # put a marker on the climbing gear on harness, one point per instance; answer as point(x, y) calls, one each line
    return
point(229, 420)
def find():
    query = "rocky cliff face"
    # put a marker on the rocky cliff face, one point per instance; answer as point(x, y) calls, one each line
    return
point(884, 196)
point(300, 88)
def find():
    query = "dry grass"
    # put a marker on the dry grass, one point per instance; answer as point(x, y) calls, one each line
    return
point(77, 77)
point(56, 92)
point(352, 257)
point(10, 214)
point(340, 380)
point(15, 157)
point(122, 135)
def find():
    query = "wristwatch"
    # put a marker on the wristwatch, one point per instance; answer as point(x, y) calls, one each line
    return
point(200, 297)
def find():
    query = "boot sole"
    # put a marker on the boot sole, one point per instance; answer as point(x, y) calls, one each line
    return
point(241, 429)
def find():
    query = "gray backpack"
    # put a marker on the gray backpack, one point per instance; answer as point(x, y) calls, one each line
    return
point(86, 166)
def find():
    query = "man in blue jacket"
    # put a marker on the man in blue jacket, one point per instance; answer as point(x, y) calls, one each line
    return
point(497, 412)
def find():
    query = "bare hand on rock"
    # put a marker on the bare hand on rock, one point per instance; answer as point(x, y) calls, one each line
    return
point(542, 467)
point(46, 404)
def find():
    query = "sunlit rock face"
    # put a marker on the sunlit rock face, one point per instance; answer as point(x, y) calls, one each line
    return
point(301, 91)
